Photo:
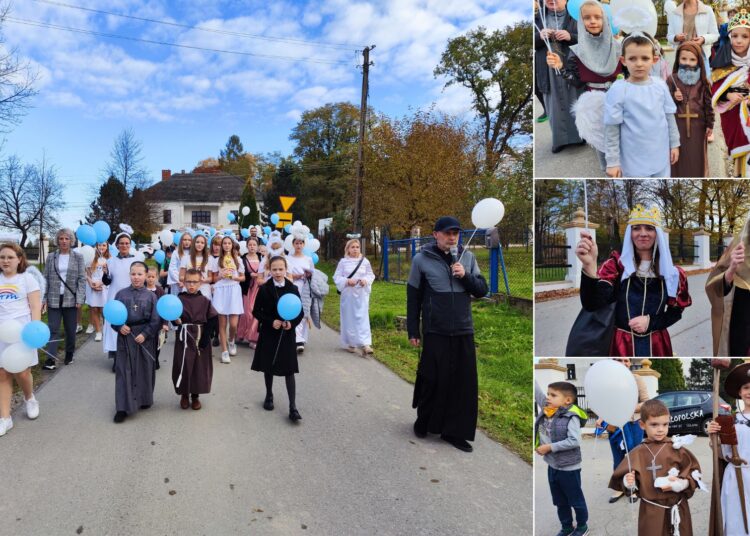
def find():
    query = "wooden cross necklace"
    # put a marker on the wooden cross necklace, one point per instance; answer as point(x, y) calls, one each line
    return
point(653, 467)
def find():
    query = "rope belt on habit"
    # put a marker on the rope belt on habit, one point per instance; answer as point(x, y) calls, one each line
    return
point(675, 514)
point(183, 338)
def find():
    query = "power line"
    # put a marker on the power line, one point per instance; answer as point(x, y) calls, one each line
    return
point(212, 30)
point(41, 24)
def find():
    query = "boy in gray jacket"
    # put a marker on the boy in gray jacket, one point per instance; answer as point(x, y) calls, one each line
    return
point(557, 434)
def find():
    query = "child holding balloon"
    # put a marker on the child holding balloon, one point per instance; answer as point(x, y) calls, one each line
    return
point(137, 323)
point(96, 291)
point(151, 277)
point(557, 437)
point(279, 310)
point(20, 302)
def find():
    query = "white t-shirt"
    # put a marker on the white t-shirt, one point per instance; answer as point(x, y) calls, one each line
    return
point(186, 263)
point(215, 265)
point(14, 291)
point(62, 266)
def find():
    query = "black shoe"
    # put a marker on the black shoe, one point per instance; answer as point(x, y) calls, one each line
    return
point(420, 430)
point(557, 149)
point(294, 415)
point(145, 406)
point(300, 347)
point(215, 342)
point(49, 364)
point(120, 416)
point(268, 403)
point(69, 359)
point(157, 366)
point(113, 367)
point(460, 444)
point(614, 498)
point(633, 499)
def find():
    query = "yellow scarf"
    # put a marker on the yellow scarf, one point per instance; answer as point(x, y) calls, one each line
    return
point(549, 411)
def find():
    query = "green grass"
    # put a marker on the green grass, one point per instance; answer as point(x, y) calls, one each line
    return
point(504, 346)
point(546, 275)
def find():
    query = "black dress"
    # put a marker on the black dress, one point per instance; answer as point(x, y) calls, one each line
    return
point(265, 311)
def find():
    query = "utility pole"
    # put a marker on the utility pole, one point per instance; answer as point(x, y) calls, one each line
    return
point(362, 130)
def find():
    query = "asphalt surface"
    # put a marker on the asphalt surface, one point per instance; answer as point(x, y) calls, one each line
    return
point(352, 466)
point(620, 518)
point(691, 335)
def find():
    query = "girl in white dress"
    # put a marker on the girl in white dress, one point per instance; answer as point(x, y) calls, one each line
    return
point(228, 272)
point(353, 279)
point(96, 291)
point(20, 300)
point(300, 269)
point(173, 275)
point(198, 259)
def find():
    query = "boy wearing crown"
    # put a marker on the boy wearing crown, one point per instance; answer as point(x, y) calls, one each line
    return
point(730, 75)
point(648, 292)
point(728, 290)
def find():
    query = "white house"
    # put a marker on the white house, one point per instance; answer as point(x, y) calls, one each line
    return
point(187, 199)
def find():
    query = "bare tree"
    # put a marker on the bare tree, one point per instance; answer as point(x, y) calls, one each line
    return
point(30, 195)
point(126, 162)
point(17, 79)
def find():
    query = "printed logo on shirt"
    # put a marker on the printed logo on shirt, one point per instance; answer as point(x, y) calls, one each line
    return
point(9, 292)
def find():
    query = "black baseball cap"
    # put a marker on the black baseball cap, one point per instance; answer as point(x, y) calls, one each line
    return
point(446, 223)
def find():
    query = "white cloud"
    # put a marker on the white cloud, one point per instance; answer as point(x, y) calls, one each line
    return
point(64, 99)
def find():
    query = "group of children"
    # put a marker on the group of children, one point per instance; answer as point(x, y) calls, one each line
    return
point(643, 118)
point(661, 470)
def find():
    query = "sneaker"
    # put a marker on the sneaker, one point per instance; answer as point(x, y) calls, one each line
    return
point(232, 348)
point(5, 425)
point(98, 336)
point(582, 530)
point(542, 118)
point(79, 328)
point(49, 364)
point(225, 357)
point(565, 532)
point(32, 408)
point(90, 329)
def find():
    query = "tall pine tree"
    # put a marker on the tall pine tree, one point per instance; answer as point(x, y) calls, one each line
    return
point(672, 378)
point(234, 160)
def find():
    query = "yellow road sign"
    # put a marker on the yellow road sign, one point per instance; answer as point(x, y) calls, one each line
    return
point(286, 202)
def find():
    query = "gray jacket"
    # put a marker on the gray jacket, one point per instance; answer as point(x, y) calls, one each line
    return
point(75, 281)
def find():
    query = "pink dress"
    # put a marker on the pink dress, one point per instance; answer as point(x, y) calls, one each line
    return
point(247, 327)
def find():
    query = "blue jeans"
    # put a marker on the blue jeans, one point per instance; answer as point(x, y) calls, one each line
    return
point(634, 437)
point(567, 495)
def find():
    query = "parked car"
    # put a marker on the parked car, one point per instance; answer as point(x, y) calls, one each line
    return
point(691, 411)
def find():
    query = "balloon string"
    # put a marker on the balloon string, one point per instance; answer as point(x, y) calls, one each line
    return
point(467, 245)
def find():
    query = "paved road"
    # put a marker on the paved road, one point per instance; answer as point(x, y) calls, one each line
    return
point(581, 161)
point(691, 336)
point(351, 467)
point(619, 519)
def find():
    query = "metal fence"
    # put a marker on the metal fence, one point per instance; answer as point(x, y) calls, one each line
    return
point(505, 260)
point(683, 252)
point(551, 263)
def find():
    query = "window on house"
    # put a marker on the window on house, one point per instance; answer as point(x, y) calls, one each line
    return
point(167, 216)
point(571, 372)
point(201, 216)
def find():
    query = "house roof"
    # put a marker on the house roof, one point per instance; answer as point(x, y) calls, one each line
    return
point(200, 187)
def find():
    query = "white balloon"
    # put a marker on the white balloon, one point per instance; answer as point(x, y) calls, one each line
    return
point(314, 244)
point(289, 243)
point(243, 248)
point(17, 358)
point(634, 15)
point(166, 238)
point(156, 246)
point(139, 256)
point(245, 211)
point(88, 254)
point(487, 213)
point(10, 331)
point(611, 391)
point(297, 223)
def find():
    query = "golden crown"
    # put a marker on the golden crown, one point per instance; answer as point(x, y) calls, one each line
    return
point(642, 216)
point(740, 20)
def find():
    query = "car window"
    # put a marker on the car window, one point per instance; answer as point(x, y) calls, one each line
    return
point(688, 399)
point(667, 399)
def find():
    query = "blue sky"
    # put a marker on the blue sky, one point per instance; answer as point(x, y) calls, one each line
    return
point(183, 104)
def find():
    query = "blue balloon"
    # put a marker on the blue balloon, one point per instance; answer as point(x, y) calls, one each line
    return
point(288, 228)
point(315, 258)
point(35, 334)
point(289, 306)
point(308, 252)
point(245, 233)
point(113, 250)
point(266, 230)
point(87, 235)
point(160, 257)
point(274, 218)
point(231, 217)
point(228, 232)
point(169, 307)
point(177, 238)
point(102, 230)
point(115, 313)
point(574, 8)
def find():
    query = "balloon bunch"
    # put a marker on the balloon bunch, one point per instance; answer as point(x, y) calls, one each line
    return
point(23, 342)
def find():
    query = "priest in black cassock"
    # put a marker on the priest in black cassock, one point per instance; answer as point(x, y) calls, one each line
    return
point(136, 346)
point(728, 290)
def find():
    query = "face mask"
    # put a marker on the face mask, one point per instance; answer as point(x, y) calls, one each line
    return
point(689, 75)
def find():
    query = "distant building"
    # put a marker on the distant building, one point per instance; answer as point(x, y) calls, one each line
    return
point(189, 199)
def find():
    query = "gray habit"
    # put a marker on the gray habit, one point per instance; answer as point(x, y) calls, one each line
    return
point(134, 366)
